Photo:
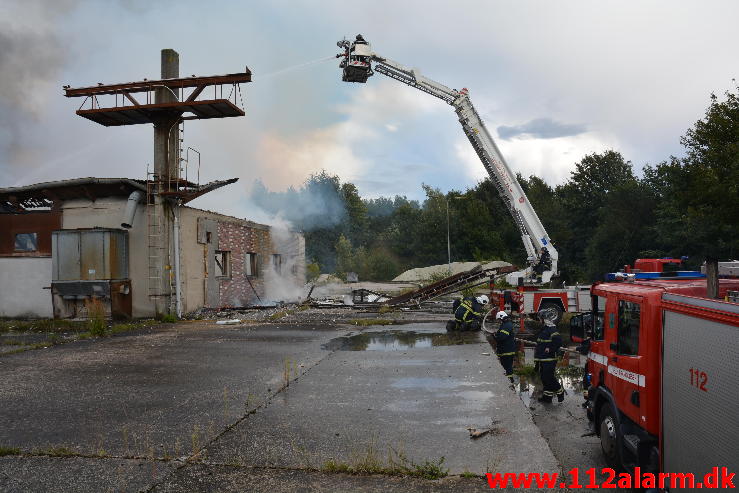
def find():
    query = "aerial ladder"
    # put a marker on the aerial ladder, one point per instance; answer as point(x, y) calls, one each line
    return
point(359, 62)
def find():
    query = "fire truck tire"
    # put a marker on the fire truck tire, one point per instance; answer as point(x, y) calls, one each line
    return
point(609, 439)
point(549, 306)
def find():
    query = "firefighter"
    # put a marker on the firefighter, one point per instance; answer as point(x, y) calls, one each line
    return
point(468, 314)
point(505, 339)
point(548, 342)
point(545, 262)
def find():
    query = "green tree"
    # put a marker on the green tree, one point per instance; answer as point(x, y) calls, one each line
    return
point(344, 257)
point(624, 229)
point(583, 197)
point(699, 193)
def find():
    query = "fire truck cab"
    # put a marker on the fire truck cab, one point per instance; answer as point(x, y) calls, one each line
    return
point(662, 372)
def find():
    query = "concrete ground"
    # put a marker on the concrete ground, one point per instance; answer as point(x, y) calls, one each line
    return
point(267, 406)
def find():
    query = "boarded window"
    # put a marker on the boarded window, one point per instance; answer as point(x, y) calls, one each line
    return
point(26, 242)
point(628, 327)
point(250, 265)
point(277, 263)
point(223, 263)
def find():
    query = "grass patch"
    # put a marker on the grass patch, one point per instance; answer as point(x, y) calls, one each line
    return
point(166, 318)
point(398, 464)
point(96, 322)
point(467, 474)
point(429, 469)
point(386, 309)
point(364, 322)
point(279, 315)
point(57, 452)
point(12, 342)
point(525, 371)
point(38, 345)
point(42, 325)
point(9, 451)
point(337, 467)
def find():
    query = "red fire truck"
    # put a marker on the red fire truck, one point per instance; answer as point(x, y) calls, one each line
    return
point(662, 372)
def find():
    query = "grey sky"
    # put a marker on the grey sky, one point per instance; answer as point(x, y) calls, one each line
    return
point(572, 77)
point(540, 128)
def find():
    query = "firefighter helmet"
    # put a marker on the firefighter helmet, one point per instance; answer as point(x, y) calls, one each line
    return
point(483, 299)
point(501, 315)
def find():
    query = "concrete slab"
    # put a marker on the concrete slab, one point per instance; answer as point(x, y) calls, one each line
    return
point(363, 405)
point(79, 475)
point(156, 394)
point(225, 479)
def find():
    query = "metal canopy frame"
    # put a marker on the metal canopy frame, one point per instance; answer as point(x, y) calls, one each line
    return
point(126, 109)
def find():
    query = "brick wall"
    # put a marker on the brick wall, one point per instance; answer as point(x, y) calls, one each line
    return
point(240, 239)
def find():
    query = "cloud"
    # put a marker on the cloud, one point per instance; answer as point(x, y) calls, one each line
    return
point(541, 128)
point(550, 159)
point(353, 148)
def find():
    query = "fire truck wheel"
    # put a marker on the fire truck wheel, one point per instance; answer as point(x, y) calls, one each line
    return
point(553, 308)
point(609, 436)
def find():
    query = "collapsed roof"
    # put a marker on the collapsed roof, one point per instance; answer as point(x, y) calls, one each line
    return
point(44, 195)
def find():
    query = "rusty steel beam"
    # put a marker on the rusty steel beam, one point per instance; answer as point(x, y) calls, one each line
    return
point(149, 85)
point(195, 93)
point(131, 98)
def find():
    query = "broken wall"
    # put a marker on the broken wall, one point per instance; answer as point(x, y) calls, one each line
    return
point(239, 288)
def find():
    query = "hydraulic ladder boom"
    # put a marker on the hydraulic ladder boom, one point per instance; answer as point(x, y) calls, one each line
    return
point(357, 64)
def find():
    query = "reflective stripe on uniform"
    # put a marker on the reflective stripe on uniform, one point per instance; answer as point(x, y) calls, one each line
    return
point(506, 354)
point(504, 332)
point(545, 359)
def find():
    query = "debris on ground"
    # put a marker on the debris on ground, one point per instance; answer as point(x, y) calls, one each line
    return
point(492, 429)
point(425, 274)
point(475, 433)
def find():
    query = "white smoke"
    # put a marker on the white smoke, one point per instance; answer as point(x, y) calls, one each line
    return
point(284, 279)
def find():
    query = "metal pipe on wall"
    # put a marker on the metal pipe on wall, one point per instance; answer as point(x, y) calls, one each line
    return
point(130, 211)
point(178, 293)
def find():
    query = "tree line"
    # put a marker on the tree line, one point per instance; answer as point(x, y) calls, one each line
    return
point(604, 216)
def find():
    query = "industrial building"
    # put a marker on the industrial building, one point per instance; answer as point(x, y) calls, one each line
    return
point(66, 242)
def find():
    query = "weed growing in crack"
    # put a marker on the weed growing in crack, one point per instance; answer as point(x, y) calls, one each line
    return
point(57, 452)
point(9, 451)
point(195, 439)
point(367, 461)
point(124, 433)
point(96, 317)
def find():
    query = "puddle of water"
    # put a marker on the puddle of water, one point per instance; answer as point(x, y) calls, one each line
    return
point(570, 371)
point(399, 340)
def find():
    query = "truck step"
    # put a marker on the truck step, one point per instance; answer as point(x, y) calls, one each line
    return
point(632, 443)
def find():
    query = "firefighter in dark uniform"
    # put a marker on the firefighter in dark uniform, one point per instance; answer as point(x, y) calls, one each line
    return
point(468, 312)
point(505, 339)
point(548, 342)
point(545, 262)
